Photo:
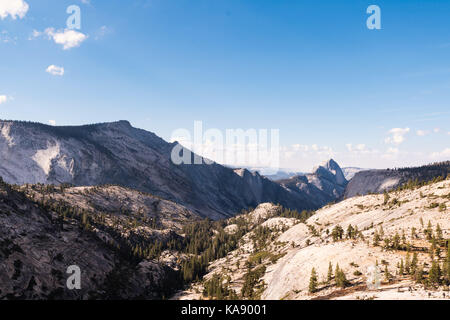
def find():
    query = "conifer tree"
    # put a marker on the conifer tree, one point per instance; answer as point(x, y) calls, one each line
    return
point(435, 273)
point(401, 271)
point(341, 280)
point(419, 274)
point(413, 232)
point(376, 239)
point(414, 262)
point(337, 233)
point(386, 197)
point(429, 230)
point(313, 281)
point(336, 271)
point(446, 272)
point(330, 273)
point(408, 263)
point(438, 232)
point(387, 275)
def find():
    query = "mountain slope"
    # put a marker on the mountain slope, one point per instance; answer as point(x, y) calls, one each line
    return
point(117, 153)
point(377, 181)
point(349, 172)
point(326, 184)
point(38, 244)
point(275, 258)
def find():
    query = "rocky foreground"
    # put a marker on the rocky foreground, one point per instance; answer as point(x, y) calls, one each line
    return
point(39, 242)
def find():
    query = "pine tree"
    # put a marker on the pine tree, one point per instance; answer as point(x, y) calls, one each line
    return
point(446, 273)
point(350, 232)
point(376, 239)
point(408, 263)
point(413, 232)
point(429, 231)
point(337, 233)
point(330, 273)
point(341, 279)
point(435, 273)
point(313, 281)
point(396, 241)
point(401, 271)
point(336, 271)
point(414, 263)
point(419, 274)
point(438, 232)
point(386, 197)
point(387, 275)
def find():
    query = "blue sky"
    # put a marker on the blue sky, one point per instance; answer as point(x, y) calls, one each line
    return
point(334, 88)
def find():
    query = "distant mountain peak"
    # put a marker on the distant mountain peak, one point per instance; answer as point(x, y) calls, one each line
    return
point(116, 124)
point(122, 122)
point(332, 167)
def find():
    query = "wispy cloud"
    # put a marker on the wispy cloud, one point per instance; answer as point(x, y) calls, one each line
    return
point(101, 32)
point(6, 38)
point(444, 154)
point(422, 133)
point(397, 136)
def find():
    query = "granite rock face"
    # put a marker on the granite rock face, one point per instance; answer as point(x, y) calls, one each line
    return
point(326, 184)
point(37, 247)
point(117, 153)
point(377, 181)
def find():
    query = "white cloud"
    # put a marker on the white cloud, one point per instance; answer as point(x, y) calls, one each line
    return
point(52, 122)
point(391, 153)
point(360, 149)
point(422, 133)
point(397, 136)
point(14, 8)
point(3, 99)
point(443, 154)
point(436, 130)
point(67, 38)
point(55, 70)
point(35, 34)
point(393, 150)
point(6, 38)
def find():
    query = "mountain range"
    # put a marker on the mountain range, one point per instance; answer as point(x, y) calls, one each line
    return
point(117, 153)
point(377, 181)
